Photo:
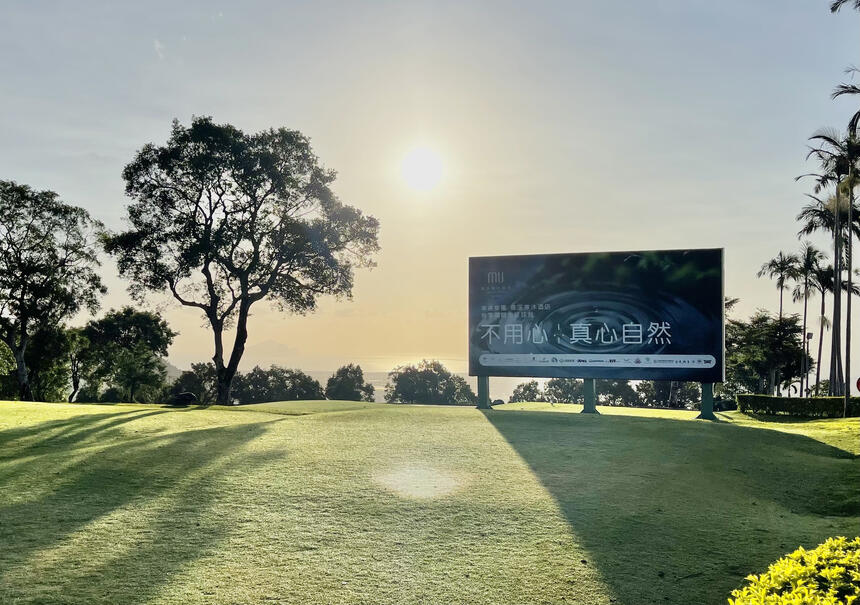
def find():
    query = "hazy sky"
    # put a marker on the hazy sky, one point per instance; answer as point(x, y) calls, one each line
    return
point(562, 126)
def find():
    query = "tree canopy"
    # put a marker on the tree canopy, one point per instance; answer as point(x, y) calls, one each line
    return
point(221, 219)
point(48, 263)
point(428, 382)
point(347, 383)
point(276, 384)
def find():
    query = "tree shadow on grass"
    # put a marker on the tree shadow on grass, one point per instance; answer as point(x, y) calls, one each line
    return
point(679, 512)
point(85, 522)
point(66, 432)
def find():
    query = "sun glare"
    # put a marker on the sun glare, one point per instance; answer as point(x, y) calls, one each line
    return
point(421, 169)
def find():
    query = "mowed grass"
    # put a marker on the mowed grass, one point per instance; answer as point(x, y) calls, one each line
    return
point(327, 502)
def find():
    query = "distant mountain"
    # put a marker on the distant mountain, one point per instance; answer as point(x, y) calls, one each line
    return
point(172, 371)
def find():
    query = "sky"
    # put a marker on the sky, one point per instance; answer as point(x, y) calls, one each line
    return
point(560, 127)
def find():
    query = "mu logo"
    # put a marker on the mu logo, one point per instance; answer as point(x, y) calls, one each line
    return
point(495, 277)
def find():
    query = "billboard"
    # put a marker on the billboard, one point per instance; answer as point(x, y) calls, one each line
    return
point(655, 315)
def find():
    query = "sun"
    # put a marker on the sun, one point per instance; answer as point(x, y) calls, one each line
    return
point(422, 169)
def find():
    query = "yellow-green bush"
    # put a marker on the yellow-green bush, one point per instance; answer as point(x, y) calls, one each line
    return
point(826, 575)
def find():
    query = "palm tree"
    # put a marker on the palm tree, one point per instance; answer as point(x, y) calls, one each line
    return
point(838, 156)
point(810, 260)
point(783, 267)
point(822, 280)
point(849, 89)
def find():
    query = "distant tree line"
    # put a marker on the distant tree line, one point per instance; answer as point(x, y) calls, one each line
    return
point(645, 393)
point(219, 220)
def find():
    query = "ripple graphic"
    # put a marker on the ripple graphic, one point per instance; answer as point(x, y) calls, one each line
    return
point(606, 312)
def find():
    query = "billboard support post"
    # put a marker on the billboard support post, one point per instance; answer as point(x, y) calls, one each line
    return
point(484, 393)
point(707, 407)
point(590, 393)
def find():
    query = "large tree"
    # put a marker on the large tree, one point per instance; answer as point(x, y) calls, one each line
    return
point(48, 262)
point(221, 219)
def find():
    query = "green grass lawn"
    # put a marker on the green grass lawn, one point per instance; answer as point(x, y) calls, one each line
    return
point(327, 502)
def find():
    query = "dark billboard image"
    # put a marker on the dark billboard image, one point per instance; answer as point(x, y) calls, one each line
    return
point(656, 315)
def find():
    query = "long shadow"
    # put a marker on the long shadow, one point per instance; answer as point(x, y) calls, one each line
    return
point(68, 431)
point(680, 512)
point(123, 517)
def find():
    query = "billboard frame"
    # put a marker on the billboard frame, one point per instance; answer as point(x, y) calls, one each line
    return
point(589, 382)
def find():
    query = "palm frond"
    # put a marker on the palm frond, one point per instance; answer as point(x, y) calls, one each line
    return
point(828, 135)
point(845, 89)
point(838, 4)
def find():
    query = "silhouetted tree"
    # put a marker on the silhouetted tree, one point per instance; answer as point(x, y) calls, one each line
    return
point(348, 384)
point(564, 390)
point(200, 380)
point(428, 382)
point(526, 391)
point(47, 268)
point(221, 220)
point(668, 394)
point(276, 384)
point(616, 392)
point(783, 267)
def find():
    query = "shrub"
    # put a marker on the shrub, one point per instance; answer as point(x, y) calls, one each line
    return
point(828, 574)
point(811, 407)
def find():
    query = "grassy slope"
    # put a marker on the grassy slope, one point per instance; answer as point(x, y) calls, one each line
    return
point(303, 503)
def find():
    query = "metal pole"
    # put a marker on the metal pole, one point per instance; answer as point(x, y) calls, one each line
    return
point(707, 408)
point(590, 393)
point(484, 393)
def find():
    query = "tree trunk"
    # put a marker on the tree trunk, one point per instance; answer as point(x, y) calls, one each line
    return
point(24, 390)
point(771, 381)
point(820, 341)
point(226, 373)
point(804, 371)
point(848, 299)
point(225, 382)
point(76, 386)
point(778, 375)
point(780, 304)
point(835, 343)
